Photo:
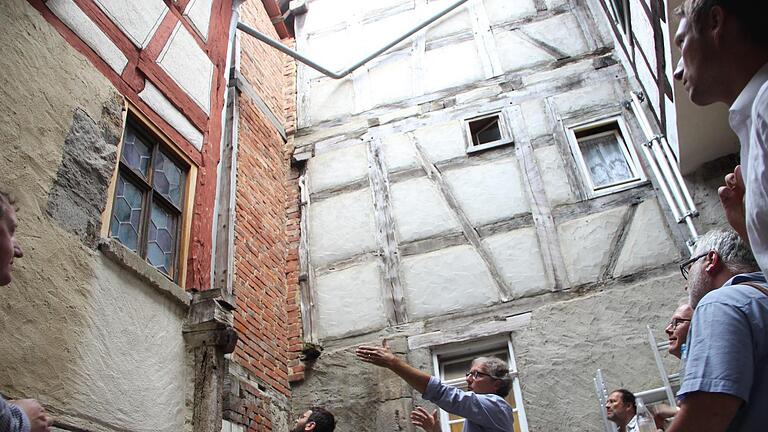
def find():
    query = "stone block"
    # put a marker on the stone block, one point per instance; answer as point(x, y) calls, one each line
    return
point(518, 258)
point(420, 211)
point(648, 243)
point(442, 141)
point(586, 244)
point(501, 11)
point(561, 31)
point(517, 53)
point(552, 169)
point(337, 167)
point(442, 70)
point(398, 152)
point(489, 192)
point(445, 281)
point(341, 227)
point(350, 301)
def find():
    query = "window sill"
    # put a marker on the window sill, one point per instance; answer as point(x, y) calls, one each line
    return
point(620, 188)
point(128, 260)
point(483, 147)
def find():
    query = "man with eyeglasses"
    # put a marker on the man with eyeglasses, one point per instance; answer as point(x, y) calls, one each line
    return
point(725, 387)
point(677, 329)
point(483, 406)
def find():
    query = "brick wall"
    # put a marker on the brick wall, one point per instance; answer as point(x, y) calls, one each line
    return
point(266, 236)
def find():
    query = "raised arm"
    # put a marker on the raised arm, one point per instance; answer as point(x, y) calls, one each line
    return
point(382, 356)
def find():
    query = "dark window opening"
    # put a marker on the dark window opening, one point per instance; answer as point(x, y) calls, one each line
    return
point(484, 131)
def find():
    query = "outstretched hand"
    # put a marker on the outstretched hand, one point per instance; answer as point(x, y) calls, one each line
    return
point(38, 418)
point(732, 198)
point(423, 419)
point(377, 355)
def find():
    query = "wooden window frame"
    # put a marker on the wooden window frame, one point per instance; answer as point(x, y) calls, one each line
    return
point(469, 350)
point(504, 129)
point(146, 129)
point(618, 126)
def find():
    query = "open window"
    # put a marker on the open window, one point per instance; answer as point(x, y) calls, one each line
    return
point(605, 156)
point(452, 362)
point(487, 131)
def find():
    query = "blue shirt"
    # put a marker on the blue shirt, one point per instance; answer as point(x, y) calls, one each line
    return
point(728, 349)
point(483, 412)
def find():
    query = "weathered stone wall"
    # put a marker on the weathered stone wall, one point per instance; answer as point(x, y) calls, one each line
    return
point(99, 347)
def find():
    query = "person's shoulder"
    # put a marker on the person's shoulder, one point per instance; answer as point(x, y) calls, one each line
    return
point(736, 294)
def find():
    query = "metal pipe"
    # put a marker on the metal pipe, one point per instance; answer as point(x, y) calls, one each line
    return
point(650, 157)
point(678, 175)
point(341, 74)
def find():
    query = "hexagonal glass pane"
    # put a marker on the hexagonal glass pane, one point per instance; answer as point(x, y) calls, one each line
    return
point(126, 217)
point(169, 179)
point(136, 153)
point(161, 239)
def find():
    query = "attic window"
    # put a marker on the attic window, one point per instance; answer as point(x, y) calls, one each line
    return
point(486, 132)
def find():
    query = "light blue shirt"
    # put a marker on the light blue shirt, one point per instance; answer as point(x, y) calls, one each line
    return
point(483, 412)
point(728, 349)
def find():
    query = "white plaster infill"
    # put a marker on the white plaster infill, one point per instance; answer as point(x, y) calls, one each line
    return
point(133, 263)
point(198, 13)
point(463, 334)
point(188, 65)
point(138, 19)
point(71, 15)
point(165, 109)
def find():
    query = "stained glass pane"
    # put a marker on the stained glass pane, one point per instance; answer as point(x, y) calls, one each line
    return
point(136, 153)
point(168, 179)
point(126, 218)
point(161, 240)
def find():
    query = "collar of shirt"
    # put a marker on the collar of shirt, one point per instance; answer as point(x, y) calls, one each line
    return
point(740, 112)
point(632, 424)
point(746, 277)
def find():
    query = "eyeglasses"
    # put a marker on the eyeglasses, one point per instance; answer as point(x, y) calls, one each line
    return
point(475, 374)
point(686, 266)
point(676, 322)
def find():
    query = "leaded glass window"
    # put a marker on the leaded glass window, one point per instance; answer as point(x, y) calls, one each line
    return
point(149, 200)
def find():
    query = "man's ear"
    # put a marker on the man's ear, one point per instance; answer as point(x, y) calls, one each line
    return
point(715, 262)
point(715, 24)
point(310, 426)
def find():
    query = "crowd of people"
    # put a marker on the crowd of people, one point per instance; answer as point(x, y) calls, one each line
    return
point(719, 333)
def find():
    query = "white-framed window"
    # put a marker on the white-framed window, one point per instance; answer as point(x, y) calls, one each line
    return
point(452, 362)
point(605, 155)
point(487, 131)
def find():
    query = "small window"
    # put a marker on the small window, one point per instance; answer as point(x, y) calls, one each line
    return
point(486, 132)
point(607, 160)
point(453, 362)
point(150, 194)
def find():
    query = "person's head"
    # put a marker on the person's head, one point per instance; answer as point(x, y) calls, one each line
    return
point(489, 375)
point(315, 419)
point(677, 329)
point(719, 255)
point(620, 406)
point(722, 43)
point(9, 247)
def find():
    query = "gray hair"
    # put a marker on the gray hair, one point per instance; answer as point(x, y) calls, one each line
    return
point(735, 253)
point(498, 369)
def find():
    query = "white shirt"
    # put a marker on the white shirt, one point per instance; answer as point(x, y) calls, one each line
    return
point(748, 117)
point(632, 425)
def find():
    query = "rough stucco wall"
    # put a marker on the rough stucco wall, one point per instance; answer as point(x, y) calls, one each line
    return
point(559, 353)
point(76, 331)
